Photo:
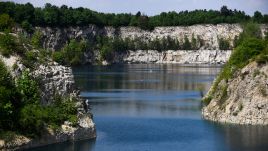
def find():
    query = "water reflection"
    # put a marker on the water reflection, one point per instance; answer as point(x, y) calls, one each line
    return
point(245, 138)
point(156, 107)
point(170, 91)
point(83, 145)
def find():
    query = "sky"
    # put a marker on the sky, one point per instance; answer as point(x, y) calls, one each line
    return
point(153, 7)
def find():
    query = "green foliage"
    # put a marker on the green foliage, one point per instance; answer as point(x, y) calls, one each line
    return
point(7, 44)
point(207, 100)
point(263, 57)
point(28, 89)
point(71, 53)
point(8, 101)
point(21, 111)
point(224, 44)
point(106, 52)
point(30, 59)
point(251, 47)
point(27, 26)
point(58, 56)
point(10, 44)
point(186, 45)
point(51, 15)
point(37, 39)
point(6, 23)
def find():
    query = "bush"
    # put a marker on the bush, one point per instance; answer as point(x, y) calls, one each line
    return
point(7, 44)
point(8, 99)
point(186, 45)
point(58, 56)
point(106, 53)
point(224, 44)
point(30, 59)
point(6, 23)
point(37, 39)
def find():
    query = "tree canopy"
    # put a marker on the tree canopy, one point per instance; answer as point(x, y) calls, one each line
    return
point(51, 15)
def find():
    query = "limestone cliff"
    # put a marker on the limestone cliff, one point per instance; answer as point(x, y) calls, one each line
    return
point(174, 56)
point(55, 38)
point(242, 99)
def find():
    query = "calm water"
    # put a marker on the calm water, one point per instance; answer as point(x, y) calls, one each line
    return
point(156, 107)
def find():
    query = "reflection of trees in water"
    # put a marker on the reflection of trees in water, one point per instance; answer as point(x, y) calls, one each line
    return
point(151, 76)
point(83, 145)
point(245, 138)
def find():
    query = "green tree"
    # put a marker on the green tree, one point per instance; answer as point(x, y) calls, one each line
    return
point(7, 44)
point(186, 44)
point(6, 23)
point(37, 39)
point(8, 99)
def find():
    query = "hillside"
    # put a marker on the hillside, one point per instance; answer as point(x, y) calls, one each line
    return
point(239, 94)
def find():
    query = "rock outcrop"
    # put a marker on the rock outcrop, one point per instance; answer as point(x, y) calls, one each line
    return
point(171, 56)
point(55, 79)
point(242, 99)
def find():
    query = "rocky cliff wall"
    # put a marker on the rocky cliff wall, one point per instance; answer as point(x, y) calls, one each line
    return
point(55, 38)
point(172, 56)
point(242, 99)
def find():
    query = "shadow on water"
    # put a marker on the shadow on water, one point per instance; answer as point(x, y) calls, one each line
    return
point(83, 145)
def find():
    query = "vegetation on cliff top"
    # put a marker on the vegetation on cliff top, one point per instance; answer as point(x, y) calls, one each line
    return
point(50, 15)
point(250, 47)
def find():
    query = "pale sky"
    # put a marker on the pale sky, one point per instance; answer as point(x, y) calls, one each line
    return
point(153, 7)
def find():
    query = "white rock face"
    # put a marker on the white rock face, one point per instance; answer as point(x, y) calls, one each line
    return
point(55, 38)
point(246, 101)
point(55, 78)
point(208, 33)
point(171, 56)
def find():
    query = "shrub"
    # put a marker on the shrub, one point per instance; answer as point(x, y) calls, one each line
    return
point(106, 53)
point(30, 59)
point(37, 39)
point(224, 44)
point(6, 23)
point(27, 26)
point(186, 45)
point(7, 44)
point(58, 56)
point(207, 100)
point(8, 99)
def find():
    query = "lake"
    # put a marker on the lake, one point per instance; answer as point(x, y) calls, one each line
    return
point(156, 107)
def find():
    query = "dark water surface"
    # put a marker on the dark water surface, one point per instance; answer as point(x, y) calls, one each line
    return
point(156, 107)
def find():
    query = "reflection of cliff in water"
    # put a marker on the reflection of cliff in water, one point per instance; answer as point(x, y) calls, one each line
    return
point(153, 76)
point(145, 90)
point(84, 145)
point(245, 137)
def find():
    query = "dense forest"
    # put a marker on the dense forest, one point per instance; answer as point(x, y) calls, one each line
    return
point(27, 15)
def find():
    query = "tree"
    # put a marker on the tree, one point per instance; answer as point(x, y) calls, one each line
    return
point(6, 23)
point(37, 39)
point(257, 17)
point(8, 99)
point(225, 11)
point(186, 44)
